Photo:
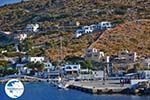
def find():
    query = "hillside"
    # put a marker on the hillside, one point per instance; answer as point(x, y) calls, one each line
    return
point(49, 13)
point(134, 36)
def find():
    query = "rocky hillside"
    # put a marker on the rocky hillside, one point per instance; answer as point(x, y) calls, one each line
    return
point(129, 34)
point(49, 13)
point(133, 36)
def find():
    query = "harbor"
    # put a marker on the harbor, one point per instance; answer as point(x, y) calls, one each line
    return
point(98, 87)
point(45, 91)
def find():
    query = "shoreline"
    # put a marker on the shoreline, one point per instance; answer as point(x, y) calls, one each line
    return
point(97, 87)
point(97, 91)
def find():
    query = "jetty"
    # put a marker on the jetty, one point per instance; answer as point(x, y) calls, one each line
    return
point(100, 87)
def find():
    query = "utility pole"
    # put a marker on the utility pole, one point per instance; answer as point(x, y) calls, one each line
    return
point(60, 47)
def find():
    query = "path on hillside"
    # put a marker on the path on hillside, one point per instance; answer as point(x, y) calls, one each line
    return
point(96, 39)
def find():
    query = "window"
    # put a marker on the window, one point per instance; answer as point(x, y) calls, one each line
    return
point(75, 67)
point(68, 67)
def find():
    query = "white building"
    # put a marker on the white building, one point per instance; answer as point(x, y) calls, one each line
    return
point(48, 66)
point(79, 33)
point(144, 74)
point(20, 37)
point(126, 55)
point(105, 25)
point(98, 74)
point(146, 63)
point(72, 68)
point(3, 51)
point(93, 54)
point(87, 29)
point(36, 59)
point(32, 27)
point(94, 27)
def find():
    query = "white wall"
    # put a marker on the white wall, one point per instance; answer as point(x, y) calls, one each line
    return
point(36, 59)
point(74, 67)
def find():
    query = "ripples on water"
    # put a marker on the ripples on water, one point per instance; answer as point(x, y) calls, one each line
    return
point(44, 91)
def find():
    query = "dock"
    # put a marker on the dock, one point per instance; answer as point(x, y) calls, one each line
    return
point(99, 87)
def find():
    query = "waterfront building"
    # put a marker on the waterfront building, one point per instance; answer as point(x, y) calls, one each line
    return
point(48, 66)
point(52, 74)
point(98, 74)
point(146, 63)
point(144, 74)
point(72, 68)
point(124, 57)
point(121, 62)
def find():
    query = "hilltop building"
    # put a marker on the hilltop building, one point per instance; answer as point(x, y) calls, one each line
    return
point(93, 28)
point(32, 27)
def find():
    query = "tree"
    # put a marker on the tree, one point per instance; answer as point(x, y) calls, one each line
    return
point(28, 44)
point(39, 66)
point(86, 64)
point(3, 63)
point(36, 66)
point(4, 69)
point(137, 67)
point(31, 65)
point(73, 59)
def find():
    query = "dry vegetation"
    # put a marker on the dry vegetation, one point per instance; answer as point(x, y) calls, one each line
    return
point(134, 36)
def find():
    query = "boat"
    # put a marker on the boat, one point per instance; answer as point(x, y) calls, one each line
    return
point(62, 86)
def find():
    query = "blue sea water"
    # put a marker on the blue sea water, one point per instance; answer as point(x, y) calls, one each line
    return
point(3, 2)
point(44, 91)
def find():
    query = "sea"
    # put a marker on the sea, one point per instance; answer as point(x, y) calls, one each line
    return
point(45, 91)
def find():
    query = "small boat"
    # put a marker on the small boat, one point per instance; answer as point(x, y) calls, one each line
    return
point(62, 86)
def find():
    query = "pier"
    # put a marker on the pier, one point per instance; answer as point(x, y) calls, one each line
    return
point(99, 87)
